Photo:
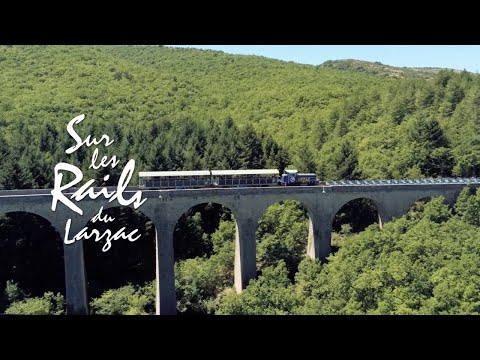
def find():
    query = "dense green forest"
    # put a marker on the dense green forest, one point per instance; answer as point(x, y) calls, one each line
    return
point(188, 109)
point(174, 109)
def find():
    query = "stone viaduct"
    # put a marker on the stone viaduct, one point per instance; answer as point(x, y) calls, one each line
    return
point(165, 207)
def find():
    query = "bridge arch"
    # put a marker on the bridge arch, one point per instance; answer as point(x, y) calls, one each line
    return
point(352, 216)
point(203, 242)
point(382, 215)
point(124, 262)
point(31, 253)
point(283, 232)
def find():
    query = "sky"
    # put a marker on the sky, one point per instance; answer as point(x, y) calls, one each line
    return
point(446, 56)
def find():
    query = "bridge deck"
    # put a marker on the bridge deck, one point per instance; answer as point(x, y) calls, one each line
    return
point(246, 190)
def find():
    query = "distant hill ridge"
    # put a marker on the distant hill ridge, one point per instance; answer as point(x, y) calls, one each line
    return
point(377, 68)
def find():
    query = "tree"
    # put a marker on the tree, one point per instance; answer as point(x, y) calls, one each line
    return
point(468, 206)
point(250, 149)
point(437, 211)
point(304, 159)
point(462, 203)
point(49, 304)
point(127, 300)
point(427, 133)
point(199, 281)
point(173, 157)
point(13, 176)
point(271, 294)
point(439, 162)
point(429, 148)
point(48, 138)
point(467, 165)
point(155, 158)
point(454, 94)
point(192, 160)
point(275, 155)
point(4, 159)
point(282, 235)
point(347, 161)
point(425, 96)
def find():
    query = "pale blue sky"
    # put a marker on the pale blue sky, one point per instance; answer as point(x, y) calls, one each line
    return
point(447, 56)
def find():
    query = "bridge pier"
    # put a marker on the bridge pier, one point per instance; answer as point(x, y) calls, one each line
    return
point(166, 300)
point(319, 238)
point(75, 273)
point(245, 252)
point(386, 216)
point(75, 279)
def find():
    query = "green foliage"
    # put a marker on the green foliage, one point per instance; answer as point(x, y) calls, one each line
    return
point(197, 282)
point(127, 300)
point(200, 280)
point(282, 235)
point(346, 229)
point(379, 69)
point(429, 146)
point(468, 206)
point(190, 238)
point(340, 161)
point(194, 231)
point(304, 160)
point(436, 211)
point(463, 199)
point(49, 304)
point(427, 133)
point(13, 292)
point(251, 153)
point(271, 294)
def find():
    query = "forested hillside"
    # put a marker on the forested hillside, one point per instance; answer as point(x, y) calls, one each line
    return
point(185, 109)
point(189, 109)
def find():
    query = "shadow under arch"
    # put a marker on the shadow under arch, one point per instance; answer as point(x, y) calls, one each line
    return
point(125, 262)
point(204, 253)
point(31, 253)
point(202, 219)
point(355, 216)
point(284, 232)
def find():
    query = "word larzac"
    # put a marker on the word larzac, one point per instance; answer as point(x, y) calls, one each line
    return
point(87, 189)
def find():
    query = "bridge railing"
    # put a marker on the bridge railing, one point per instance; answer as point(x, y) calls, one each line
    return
point(427, 181)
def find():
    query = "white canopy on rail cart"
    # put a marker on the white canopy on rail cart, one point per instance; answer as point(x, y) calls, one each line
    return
point(245, 172)
point(173, 173)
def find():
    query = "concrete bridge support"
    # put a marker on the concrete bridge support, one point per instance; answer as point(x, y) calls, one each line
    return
point(75, 272)
point(319, 238)
point(245, 252)
point(166, 301)
point(75, 279)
